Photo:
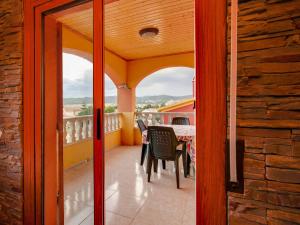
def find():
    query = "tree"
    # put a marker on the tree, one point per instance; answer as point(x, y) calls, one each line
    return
point(85, 110)
point(110, 109)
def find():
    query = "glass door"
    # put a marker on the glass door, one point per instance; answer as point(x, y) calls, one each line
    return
point(72, 128)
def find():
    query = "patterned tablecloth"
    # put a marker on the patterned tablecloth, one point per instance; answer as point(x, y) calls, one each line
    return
point(185, 133)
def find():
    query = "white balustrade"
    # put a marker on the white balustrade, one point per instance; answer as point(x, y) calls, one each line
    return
point(80, 128)
point(157, 118)
point(112, 122)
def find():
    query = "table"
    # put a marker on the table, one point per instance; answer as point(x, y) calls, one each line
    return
point(185, 133)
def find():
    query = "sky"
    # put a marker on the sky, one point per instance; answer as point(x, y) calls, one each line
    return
point(78, 83)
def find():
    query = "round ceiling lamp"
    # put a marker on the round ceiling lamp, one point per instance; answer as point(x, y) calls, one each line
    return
point(148, 32)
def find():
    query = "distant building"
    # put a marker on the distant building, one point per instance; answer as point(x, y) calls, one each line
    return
point(186, 105)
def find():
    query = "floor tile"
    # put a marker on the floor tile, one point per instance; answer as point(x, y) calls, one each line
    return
point(114, 219)
point(75, 212)
point(124, 205)
point(130, 199)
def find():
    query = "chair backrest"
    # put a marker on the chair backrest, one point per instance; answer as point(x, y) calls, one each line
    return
point(181, 121)
point(141, 125)
point(163, 142)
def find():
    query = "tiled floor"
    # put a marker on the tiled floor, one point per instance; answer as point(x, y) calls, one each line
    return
point(130, 199)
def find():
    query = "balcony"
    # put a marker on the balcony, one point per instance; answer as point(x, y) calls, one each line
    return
point(129, 198)
point(78, 145)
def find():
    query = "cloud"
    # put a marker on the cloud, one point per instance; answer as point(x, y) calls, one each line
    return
point(176, 81)
point(83, 87)
point(78, 78)
point(80, 87)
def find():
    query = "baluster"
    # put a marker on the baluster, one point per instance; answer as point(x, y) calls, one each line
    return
point(86, 128)
point(68, 132)
point(76, 130)
point(162, 118)
point(156, 120)
point(146, 119)
point(152, 119)
point(119, 121)
point(91, 127)
point(114, 122)
point(80, 128)
point(105, 123)
point(65, 132)
point(169, 118)
point(73, 131)
point(109, 123)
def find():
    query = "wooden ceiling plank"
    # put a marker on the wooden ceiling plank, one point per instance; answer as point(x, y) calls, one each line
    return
point(124, 19)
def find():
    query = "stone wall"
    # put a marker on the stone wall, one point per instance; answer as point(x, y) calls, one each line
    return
point(268, 111)
point(11, 160)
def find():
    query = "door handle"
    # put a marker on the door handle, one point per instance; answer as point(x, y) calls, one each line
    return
point(98, 128)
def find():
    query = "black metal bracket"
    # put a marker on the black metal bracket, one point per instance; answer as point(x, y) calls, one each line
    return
point(237, 187)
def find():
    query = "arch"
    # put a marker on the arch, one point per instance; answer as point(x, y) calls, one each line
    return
point(78, 52)
point(115, 68)
point(139, 69)
point(108, 79)
point(112, 67)
point(77, 44)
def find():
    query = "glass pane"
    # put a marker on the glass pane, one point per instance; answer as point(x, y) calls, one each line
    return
point(77, 110)
point(149, 49)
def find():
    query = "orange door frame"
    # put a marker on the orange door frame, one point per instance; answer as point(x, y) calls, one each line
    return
point(210, 61)
point(210, 40)
point(33, 113)
point(52, 76)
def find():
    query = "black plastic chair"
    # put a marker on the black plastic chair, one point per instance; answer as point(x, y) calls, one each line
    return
point(142, 127)
point(163, 144)
point(181, 121)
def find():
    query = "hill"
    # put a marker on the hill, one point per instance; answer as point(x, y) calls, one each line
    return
point(157, 99)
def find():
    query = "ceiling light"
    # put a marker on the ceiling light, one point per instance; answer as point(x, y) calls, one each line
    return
point(149, 32)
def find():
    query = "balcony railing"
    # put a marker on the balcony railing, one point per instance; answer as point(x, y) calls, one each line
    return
point(80, 128)
point(112, 122)
point(157, 118)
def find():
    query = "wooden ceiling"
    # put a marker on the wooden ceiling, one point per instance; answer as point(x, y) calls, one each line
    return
point(125, 18)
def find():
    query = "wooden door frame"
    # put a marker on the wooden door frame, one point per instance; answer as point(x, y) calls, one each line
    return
point(33, 13)
point(211, 70)
point(210, 64)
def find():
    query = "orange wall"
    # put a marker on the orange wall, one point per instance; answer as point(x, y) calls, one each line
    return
point(137, 70)
point(77, 44)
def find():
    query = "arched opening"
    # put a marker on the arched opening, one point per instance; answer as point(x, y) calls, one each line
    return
point(110, 95)
point(165, 90)
point(77, 85)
